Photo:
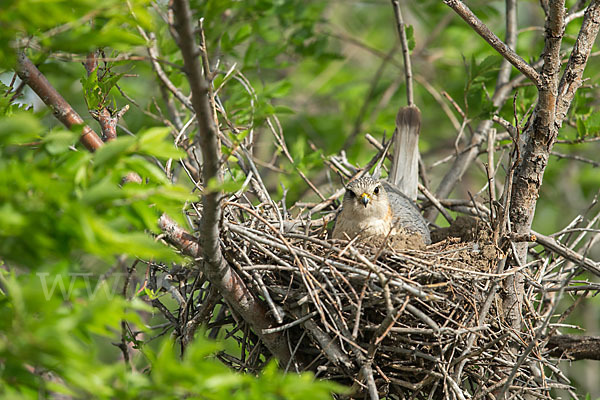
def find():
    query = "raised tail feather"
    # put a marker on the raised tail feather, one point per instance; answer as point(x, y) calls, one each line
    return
point(404, 172)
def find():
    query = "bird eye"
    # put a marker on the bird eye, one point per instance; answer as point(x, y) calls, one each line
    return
point(351, 193)
point(376, 190)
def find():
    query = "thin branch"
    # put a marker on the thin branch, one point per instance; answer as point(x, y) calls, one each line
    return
point(510, 39)
point(571, 79)
point(228, 282)
point(502, 48)
point(59, 106)
point(562, 250)
point(405, 52)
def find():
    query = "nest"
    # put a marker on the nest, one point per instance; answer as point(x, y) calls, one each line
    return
point(425, 323)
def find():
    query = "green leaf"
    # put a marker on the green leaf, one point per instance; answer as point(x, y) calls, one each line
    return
point(101, 193)
point(227, 186)
point(592, 124)
point(410, 37)
point(146, 170)
point(242, 34)
point(91, 90)
point(59, 141)
point(581, 128)
point(284, 110)
point(111, 151)
point(20, 128)
point(152, 142)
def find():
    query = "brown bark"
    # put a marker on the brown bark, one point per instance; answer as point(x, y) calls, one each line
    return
point(540, 136)
point(59, 106)
point(220, 274)
point(574, 347)
point(532, 157)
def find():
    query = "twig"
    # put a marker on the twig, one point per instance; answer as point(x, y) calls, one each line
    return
point(436, 203)
point(405, 53)
point(567, 253)
point(59, 106)
point(504, 50)
point(218, 271)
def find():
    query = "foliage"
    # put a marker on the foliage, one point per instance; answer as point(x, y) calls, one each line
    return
point(73, 201)
point(51, 341)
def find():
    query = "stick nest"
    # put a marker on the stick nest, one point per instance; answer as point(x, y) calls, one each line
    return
point(406, 323)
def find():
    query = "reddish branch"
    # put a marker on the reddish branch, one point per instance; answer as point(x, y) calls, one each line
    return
point(220, 274)
point(107, 119)
point(59, 106)
point(179, 237)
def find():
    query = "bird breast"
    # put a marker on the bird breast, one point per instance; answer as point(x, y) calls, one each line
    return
point(353, 221)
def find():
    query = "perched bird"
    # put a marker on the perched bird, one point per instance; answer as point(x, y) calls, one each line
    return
point(375, 209)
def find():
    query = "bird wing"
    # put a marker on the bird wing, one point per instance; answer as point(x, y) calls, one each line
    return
point(406, 213)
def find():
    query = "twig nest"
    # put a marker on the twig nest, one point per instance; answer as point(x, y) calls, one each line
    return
point(467, 229)
point(424, 321)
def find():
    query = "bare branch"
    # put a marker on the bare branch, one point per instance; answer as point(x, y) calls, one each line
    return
point(59, 106)
point(574, 347)
point(510, 39)
point(405, 52)
point(228, 282)
point(562, 250)
point(502, 48)
point(571, 79)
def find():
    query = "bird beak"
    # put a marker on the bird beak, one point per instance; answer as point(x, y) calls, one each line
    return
point(364, 198)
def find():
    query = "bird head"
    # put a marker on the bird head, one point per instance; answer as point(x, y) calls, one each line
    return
point(366, 196)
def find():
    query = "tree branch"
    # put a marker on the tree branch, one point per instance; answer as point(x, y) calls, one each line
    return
point(510, 39)
point(504, 50)
point(562, 250)
point(179, 237)
point(405, 52)
point(501, 93)
point(571, 79)
point(574, 347)
point(539, 137)
point(59, 106)
point(220, 274)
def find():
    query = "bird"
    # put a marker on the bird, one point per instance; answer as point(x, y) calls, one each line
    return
point(373, 208)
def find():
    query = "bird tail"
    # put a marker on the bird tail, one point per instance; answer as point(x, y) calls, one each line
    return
point(404, 172)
